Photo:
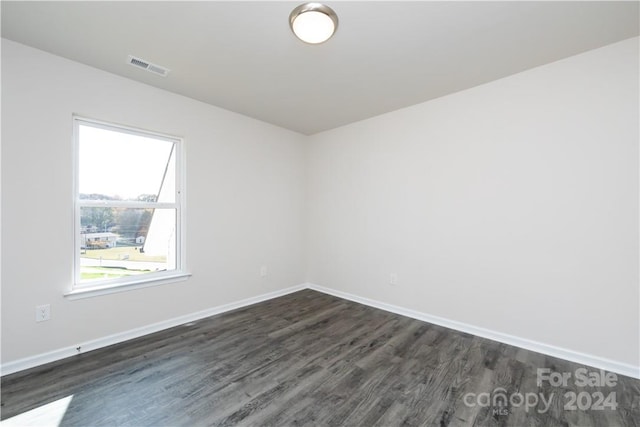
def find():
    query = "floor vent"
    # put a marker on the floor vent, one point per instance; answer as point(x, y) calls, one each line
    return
point(146, 65)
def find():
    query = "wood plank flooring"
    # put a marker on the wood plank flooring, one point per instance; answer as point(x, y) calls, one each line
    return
point(309, 359)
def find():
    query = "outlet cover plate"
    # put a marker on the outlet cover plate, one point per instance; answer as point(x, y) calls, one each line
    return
point(43, 312)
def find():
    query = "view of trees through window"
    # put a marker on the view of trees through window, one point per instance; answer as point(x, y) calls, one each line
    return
point(127, 204)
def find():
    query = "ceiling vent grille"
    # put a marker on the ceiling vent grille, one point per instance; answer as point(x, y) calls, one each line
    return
point(146, 65)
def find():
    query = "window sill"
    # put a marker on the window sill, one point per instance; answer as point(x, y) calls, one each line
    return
point(94, 291)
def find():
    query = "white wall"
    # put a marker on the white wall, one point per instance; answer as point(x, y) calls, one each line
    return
point(512, 206)
point(245, 195)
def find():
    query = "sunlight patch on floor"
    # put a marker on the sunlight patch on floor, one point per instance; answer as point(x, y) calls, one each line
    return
point(50, 414)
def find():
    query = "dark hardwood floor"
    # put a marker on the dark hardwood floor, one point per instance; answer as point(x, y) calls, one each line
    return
point(312, 359)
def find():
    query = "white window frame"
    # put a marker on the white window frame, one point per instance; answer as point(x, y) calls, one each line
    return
point(100, 287)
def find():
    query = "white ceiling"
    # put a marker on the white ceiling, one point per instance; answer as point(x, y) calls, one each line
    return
point(243, 57)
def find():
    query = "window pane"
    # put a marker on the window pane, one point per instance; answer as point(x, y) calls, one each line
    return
point(119, 242)
point(122, 166)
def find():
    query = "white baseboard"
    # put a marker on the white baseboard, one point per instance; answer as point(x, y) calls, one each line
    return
point(52, 356)
point(550, 350)
point(563, 353)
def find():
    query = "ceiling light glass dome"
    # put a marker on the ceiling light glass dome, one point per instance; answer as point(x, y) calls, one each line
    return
point(313, 23)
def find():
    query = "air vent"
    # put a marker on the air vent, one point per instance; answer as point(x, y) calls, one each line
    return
point(146, 65)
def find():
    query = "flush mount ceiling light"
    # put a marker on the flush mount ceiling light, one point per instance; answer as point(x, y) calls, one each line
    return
point(313, 22)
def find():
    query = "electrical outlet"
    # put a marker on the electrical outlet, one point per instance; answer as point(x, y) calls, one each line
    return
point(393, 279)
point(43, 312)
point(263, 271)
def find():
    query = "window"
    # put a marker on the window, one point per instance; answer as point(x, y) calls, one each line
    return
point(128, 212)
